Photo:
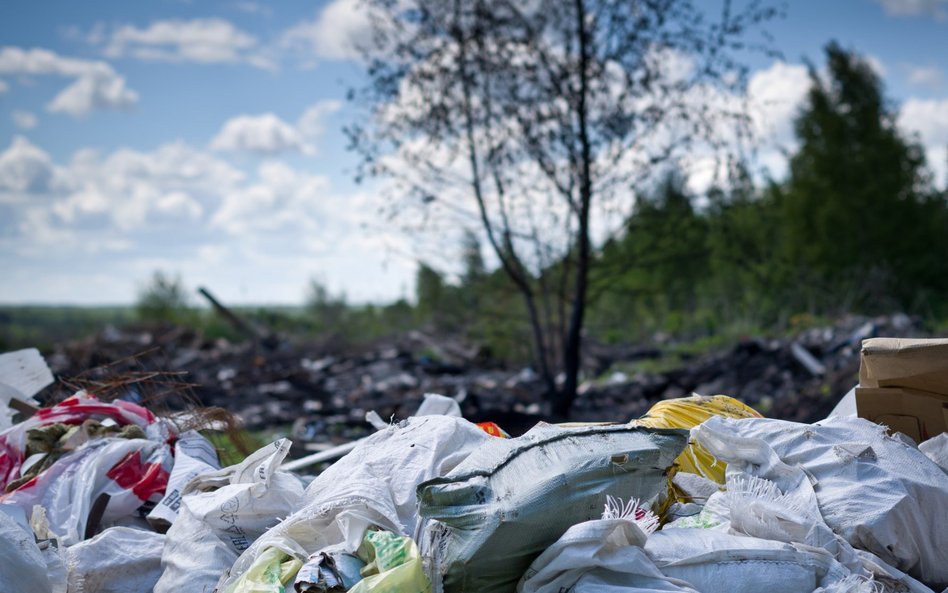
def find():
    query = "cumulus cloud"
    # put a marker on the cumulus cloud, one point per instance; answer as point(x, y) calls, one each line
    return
point(776, 95)
point(24, 120)
point(312, 123)
point(262, 134)
point(24, 168)
point(96, 85)
point(203, 41)
point(902, 8)
point(335, 33)
point(281, 197)
point(128, 191)
point(130, 188)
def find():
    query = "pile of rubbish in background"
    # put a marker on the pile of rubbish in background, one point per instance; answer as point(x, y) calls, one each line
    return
point(699, 494)
point(276, 381)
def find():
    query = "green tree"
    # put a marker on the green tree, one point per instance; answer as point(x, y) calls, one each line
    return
point(430, 290)
point(328, 312)
point(164, 299)
point(858, 207)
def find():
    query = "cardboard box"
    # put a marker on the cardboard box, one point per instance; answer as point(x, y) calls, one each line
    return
point(900, 362)
point(903, 383)
point(918, 414)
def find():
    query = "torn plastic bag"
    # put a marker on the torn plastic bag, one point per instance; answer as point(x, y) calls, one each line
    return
point(877, 492)
point(193, 455)
point(271, 572)
point(111, 476)
point(22, 565)
point(73, 411)
point(329, 573)
point(602, 556)
point(374, 485)
point(118, 560)
point(393, 565)
point(716, 562)
point(222, 513)
point(512, 498)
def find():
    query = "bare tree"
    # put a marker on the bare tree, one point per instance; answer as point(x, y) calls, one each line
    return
point(539, 118)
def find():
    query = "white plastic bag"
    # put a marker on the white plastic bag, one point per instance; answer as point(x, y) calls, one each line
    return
point(716, 562)
point(193, 455)
point(129, 471)
point(222, 513)
point(22, 565)
point(374, 485)
point(602, 556)
point(880, 494)
point(118, 560)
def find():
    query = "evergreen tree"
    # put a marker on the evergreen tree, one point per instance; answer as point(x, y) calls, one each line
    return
point(857, 198)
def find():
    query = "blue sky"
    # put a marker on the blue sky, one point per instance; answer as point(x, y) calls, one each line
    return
point(204, 138)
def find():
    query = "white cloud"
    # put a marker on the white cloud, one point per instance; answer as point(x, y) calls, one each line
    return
point(4, 87)
point(931, 8)
point(929, 76)
point(178, 204)
point(129, 187)
point(312, 123)
point(203, 41)
point(335, 33)
point(262, 134)
point(776, 95)
point(929, 119)
point(281, 197)
point(88, 93)
point(25, 168)
point(96, 84)
point(24, 120)
point(88, 228)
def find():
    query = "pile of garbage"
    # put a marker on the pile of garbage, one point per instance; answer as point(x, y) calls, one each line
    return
point(326, 393)
point(700, 494)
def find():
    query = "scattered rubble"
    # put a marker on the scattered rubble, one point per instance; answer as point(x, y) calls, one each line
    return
point(325, 395)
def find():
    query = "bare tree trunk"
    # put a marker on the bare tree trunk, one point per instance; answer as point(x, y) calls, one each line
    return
point(572, 350)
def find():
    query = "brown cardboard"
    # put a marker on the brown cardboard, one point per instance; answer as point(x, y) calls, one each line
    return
point(909, 363)
point(903, 384)
point(918, 414)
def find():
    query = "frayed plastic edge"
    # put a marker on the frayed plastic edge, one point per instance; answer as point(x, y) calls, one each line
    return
point(644, 519)
point(853, 584)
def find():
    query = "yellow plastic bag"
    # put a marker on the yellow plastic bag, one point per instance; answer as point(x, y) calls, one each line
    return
point(393, 565)
point(271, 572)
point(688, 412)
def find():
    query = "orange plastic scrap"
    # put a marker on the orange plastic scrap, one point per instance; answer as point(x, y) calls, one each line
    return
point(688, 412)
point(493, 430)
